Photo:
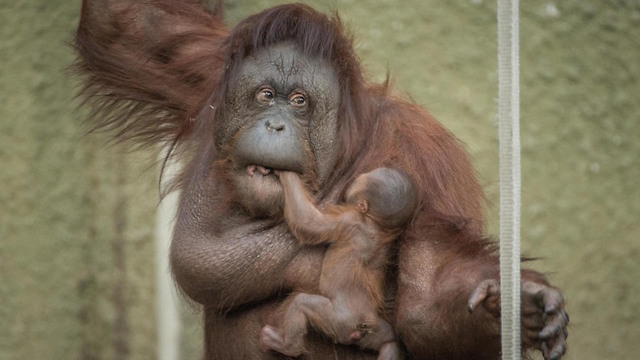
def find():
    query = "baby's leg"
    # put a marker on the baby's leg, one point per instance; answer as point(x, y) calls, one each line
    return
point(302, 310)
point(384, 341)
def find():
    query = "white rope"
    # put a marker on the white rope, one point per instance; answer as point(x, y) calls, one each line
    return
point(509, 129)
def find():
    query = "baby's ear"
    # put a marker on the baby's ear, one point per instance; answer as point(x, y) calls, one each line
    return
point(363, 206)
point(148, 67)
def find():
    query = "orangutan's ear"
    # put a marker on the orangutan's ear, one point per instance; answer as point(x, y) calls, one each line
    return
point(363, 206)
point(148, 66)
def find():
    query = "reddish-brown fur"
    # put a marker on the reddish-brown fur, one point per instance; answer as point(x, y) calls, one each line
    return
point(351, 289)
point(152, 69)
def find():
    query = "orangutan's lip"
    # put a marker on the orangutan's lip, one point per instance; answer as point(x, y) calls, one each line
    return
point(251, 170)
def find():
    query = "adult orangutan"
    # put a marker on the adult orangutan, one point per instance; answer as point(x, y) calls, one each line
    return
point(283, 90)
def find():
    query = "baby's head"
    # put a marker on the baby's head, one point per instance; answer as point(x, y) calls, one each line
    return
point(387, 195)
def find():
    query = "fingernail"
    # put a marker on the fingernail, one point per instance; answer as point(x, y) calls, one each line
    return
point(544, 334)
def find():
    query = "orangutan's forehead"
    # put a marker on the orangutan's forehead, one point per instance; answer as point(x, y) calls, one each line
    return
point(285, 65)
point(284, 58)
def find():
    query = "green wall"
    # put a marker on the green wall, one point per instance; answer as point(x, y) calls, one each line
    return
point(77, 217)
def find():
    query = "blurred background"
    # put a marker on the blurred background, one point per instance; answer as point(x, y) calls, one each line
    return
point(78, 218)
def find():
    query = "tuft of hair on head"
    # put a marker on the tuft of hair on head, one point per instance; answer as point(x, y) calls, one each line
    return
point(391, 195)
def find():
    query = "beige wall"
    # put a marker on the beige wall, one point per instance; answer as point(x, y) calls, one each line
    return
point(77, 218)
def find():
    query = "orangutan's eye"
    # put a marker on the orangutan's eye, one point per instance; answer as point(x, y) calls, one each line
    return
point(265, 95)
point(298, 101)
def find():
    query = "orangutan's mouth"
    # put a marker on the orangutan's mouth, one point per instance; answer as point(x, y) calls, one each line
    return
point(263, 170)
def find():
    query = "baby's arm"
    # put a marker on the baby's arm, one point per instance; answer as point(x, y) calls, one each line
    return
point(307, 223)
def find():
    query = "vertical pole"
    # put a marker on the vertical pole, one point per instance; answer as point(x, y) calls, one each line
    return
point(168, 310)
point(509, 133)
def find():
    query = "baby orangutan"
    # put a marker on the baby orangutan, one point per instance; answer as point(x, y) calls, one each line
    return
point(378, 206)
